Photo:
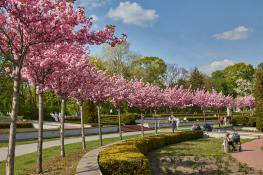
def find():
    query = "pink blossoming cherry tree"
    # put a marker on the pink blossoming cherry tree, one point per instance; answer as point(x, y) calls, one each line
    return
point(29, 24)
point(120, 91)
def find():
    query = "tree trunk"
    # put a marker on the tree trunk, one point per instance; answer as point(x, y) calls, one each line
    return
point(204, 115)
point(155, 126)
point(10, 160)
point(40, 133)
point(82, 127)
point(119, 116)
point(99, 125)
point(142, 122)
point(62, 113)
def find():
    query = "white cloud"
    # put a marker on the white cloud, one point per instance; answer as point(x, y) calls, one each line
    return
point(95, 18)
point(92, 3)
point(238, 33)
point(216, 65)
point(133, 13)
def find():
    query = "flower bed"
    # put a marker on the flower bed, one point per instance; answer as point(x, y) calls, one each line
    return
point(129, 157)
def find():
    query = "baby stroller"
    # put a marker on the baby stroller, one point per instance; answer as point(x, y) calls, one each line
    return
point(207, 127)
point(236, 141)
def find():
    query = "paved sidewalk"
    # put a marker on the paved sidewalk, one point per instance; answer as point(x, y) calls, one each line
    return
point(30, 148)
point(88, 164)
point(251, 154)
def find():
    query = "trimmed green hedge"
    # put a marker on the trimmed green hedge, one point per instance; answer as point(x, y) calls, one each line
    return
point(244, 120)
point(129, 157)
point(260, 124)
point(4, 125)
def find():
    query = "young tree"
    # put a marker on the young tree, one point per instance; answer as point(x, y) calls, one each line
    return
point(140, 97)
point(80, 93)
point(99, 93)
point(119, 93)
point(175, 97)
point(157, 98)
point(31, 23)
point(39, 65)
point(64, 80)
point(201, 99)
point(247, 102)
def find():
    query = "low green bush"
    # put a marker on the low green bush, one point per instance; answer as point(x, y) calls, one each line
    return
point(244, 120)
point(260, 124)
point(4, 125)
point(129, 157)
point(72, 119)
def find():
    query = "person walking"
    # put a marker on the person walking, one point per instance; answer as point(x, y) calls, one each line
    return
point(173, 122)
point(177, 122)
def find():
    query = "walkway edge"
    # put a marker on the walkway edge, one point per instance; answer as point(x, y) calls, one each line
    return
point(88, 164)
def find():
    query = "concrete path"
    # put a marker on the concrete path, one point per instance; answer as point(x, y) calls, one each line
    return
point(30, 148)
point(88, 164)
point(243, 135)
point(251, 154)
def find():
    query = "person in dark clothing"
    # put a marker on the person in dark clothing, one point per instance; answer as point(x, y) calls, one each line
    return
point(230, 141)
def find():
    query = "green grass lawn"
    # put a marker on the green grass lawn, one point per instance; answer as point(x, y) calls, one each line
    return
point(200, 147)
point(53, 164)
point(202, 156)
point(23, 142)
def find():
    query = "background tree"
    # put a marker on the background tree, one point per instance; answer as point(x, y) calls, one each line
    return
point(259, 98)
point(5, 92)
point(244, 87)
point(234, 79)
point(196, 79)
point(117, 59)
point(174, 74)
point(150, 69)
point(221, 84)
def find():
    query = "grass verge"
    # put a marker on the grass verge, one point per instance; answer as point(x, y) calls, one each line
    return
point(53, 164)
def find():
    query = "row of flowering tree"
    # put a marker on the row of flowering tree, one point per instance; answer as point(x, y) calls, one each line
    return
point(38, 33)
point(45, 43)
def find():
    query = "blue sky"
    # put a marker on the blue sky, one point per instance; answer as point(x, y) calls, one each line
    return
point(208, 34)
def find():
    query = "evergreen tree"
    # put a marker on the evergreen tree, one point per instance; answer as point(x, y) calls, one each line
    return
point(259, 97)
point(196, 79)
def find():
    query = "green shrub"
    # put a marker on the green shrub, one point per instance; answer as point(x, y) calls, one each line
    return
point(245, 120)
point(129, 158)
point(90, 112)
point(260, 124)
point(72, 119)
point(4, 125)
